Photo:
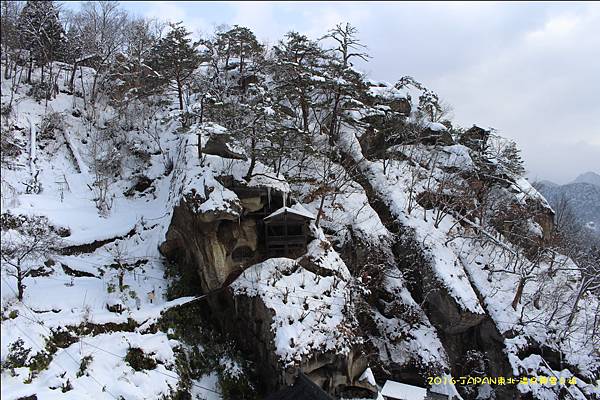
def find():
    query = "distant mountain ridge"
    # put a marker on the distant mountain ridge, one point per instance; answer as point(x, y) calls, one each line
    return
point(583, 195)
point(588, 177)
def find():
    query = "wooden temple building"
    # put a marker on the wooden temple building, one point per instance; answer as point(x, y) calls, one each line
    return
point(287, 232)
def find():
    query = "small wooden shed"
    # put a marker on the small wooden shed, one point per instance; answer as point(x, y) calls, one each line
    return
point(287, 231)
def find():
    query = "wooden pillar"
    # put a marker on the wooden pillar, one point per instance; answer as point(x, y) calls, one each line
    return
point(286, 250)
point(267, 238)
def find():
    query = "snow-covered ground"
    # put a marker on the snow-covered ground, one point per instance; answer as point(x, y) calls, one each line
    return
point(132, 230)
point(103, 294)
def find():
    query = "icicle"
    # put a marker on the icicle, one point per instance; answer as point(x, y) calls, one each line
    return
point(285, 198)
point(269, 196)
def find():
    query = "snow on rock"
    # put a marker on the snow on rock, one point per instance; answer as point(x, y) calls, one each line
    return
point(386, 91)
point(311, 312)
point(269, 179)
point(436, 126)
point(197, 184)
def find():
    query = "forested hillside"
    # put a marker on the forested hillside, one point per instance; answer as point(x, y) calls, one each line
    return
point(210, 219)
point(577, 206)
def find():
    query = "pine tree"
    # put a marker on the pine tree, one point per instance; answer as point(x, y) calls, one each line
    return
point(245, 46)
point(239, 50)
point(429, 105)
point(511, 159)
point(9, 34)
point(296, 72)
point(175, 58)
point(41, 32)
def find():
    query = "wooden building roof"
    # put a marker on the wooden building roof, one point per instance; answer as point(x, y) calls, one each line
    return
point(296, 212)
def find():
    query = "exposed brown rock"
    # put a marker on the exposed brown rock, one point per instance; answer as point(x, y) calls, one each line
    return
point(217, 145)
point(475, 138)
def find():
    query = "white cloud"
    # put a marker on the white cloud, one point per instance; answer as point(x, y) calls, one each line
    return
point(556, 27)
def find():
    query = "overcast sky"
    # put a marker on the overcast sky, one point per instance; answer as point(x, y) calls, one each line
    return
point(530, 70)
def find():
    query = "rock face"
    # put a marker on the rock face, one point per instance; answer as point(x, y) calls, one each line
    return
point(475, 138)
point(218, 145)
point(251, 323)
point(544, 216)
point(218, 246)
point(214, 244)
point(400, 105)
point(433, 137)
point(465, 335)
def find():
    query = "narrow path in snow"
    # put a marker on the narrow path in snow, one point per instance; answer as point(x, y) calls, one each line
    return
point(32, 149)
point(79, 164)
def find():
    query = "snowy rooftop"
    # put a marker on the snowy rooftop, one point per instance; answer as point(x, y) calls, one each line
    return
point(402, 391)
point(295, 209)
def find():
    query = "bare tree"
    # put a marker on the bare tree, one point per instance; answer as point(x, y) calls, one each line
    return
point(11, 51)
point(105, 164)
point(120, 254)
point(333, 179)
point(101, 25)
point(26, 241)
point(348, 47)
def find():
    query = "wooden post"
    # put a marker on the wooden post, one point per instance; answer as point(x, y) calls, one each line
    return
point(266, 237)
point(285, 230)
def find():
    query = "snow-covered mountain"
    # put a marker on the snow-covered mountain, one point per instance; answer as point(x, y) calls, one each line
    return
point(588, 177)
point(582, 197)
point(215, 230)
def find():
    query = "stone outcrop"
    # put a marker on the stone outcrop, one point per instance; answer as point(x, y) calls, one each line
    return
point(249, 321)
point(475, 138)
point(436, 137)
point(207, 242)
point(461, 332)
point(400, 105)
point(218, 145)
point(217, 245)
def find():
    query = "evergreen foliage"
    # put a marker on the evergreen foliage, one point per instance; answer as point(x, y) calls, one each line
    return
point(175, 58)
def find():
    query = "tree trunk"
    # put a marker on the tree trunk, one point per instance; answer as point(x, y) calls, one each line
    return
point(180, 94)
point(241, 60)
point(202, 110)
point(199, 145)
point(333, 125)
point(72, 79)
point(30, 69)
point(304, 108)
point(93, 94)
point(575, 304)
point(121, 278)
point(20, 285)
point(83, 88)
point(320, 211)
point(7, 69)
point(252, 155)
point(518, 294)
